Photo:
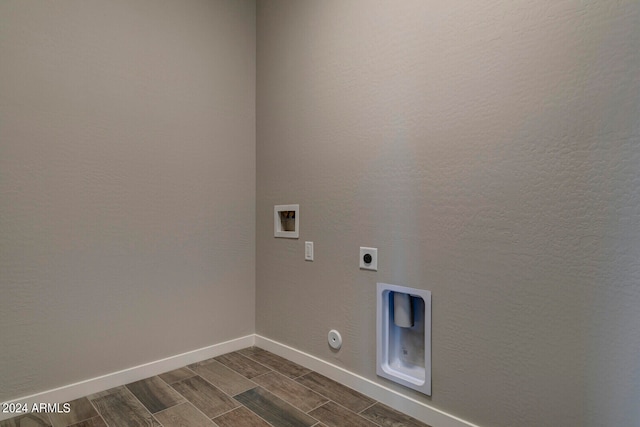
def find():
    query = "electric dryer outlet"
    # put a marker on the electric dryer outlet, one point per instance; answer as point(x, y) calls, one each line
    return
point(368, 258)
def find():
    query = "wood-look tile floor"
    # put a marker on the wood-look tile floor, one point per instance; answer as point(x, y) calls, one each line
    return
point(247, 388)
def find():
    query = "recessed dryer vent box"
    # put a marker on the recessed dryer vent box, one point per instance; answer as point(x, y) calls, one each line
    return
point(286, 221)
point(404, 336)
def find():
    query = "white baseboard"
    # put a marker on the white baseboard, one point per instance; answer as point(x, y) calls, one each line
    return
point(389, 397)
point(115, 379)
point(406, 404)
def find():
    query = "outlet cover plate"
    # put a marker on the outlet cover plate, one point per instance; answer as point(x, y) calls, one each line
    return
point(373, 265)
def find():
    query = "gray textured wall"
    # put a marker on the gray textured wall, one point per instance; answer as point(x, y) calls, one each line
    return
point(127, 184)
point(491, 151)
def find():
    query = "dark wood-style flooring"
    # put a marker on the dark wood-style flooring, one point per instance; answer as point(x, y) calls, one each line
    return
point(247, 388)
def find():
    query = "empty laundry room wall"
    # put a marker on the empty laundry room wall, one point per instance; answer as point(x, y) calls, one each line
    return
point(127, 184)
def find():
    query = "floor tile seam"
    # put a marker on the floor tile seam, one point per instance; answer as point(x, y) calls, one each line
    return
point(156, 420)
point(112, 390)
point(96, 416)
point(124, 387)
point(68, 425)
point(274, 369)
point(166, 409)
point(97, 412)
point(211, 384)
point(248, 409)
point(370, 406)
point(226, 412)
point(240, 392)
point(312, 391)
point(335, 401)
point(254, 360)
point(303, 375)
point(143, 405)
point(262, 375)
point(190, 370)
point(184, 367)
point(29, 413)
point(79, 421)
point(248, 358)
point(371, 421)
point(303, 412)
point(50, 420)
point(169, 384)
point(187, 402)
point(353, 412)
point(319, 406)
point(319, 393)
point(368, 419)
point(103, 420)
point(225, 393)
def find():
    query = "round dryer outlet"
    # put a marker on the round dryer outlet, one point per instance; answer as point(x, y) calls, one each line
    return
point(335, 340)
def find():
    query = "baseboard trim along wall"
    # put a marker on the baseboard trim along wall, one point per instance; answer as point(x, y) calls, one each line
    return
point(115, 379)
point(389, 397)
point(408, 405)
